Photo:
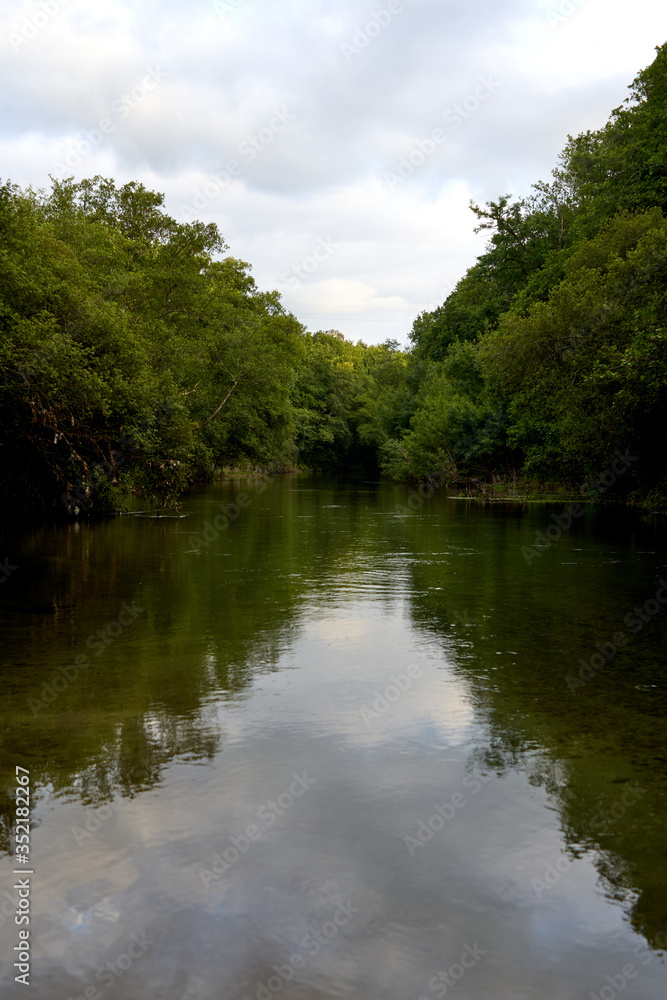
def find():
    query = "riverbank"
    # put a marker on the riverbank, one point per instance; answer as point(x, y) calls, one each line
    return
point(521, 490)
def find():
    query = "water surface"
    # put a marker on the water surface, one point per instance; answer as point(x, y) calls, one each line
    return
point(328, 748)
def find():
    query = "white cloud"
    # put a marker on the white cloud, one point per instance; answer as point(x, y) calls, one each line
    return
point(353, 119)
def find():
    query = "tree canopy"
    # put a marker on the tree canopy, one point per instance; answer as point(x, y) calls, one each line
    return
point(565, 315)
point(137, 356)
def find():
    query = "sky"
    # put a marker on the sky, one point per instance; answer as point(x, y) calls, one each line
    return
point(337, 146)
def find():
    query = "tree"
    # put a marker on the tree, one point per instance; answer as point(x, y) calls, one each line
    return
point(624, 165)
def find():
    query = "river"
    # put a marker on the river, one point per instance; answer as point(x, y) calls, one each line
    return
point(333, 739)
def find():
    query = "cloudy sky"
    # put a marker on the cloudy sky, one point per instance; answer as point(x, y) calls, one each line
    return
point(336, 144)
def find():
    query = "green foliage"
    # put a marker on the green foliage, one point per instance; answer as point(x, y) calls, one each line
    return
point(525, 235)
point(473, 307)
point(624, 165)
point(569, 369)
point(551, 353)
point(456, 431)
point(136, 358)
point(131, 360)
point(332, 378)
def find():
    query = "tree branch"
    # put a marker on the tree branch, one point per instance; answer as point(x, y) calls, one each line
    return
point(217, 410)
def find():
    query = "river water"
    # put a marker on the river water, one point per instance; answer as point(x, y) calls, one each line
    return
point(317, 739)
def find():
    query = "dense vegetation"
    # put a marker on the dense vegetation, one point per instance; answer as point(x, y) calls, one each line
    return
point(551, 353)
point(136, 358)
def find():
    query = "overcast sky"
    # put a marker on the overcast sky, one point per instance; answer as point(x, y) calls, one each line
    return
point(336, 145)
